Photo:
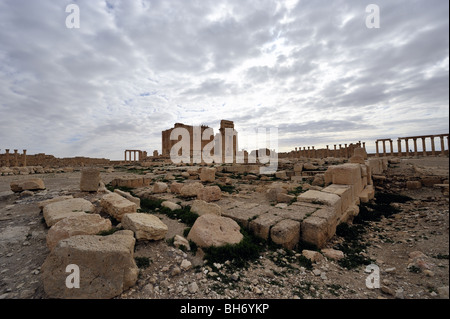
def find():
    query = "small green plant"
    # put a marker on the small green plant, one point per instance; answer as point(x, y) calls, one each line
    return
point(108, 232)
point(142, 262)
point(239, 255)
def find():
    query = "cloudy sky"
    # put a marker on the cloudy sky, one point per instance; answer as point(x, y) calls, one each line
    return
point(310, 68)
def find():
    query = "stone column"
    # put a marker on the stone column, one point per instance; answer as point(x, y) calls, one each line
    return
point(377, 150)
point(346, 151)
point(415, 146)
point(392, 147)
point(340, 150)
point(24, 158)
point(327, 152)
point(313, 152)
point(125, 156)
point(309, 152)
point(399, 147)
point(364, 145)
point(424, 148)
point(407, 147)
point(384, 148)
point(7, 157)
point(335, 152)
point(433, 147)
point(16, 158)
point(442, 145)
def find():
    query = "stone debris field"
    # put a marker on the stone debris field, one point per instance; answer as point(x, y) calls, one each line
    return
point(225, 231)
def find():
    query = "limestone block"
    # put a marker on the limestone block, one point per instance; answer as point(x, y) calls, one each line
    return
point(286, 233)
point(367, 194)
point(57, 211)
point(272, 192)
point(332, 253)
point(145, 226)
point(312, 255)
point(160, 187)
point(209, 193)
point(359, 151)
point(32, 184)
point(413, 185)
point(356, 159)
point(87, 224)
point(191, 189)
point(170, 205)
point(375, 165)
point(285, 198)
point(281, 174)
point(90, 180)
point(201, 207)
point(295, 212)
point(348, 174)
point(106, 267)
point(44, 203)
point(430, 181)
point(331, 217)
point(314, 230)
point(322, 198)
point(130, 197)
point(212, 230)
point(243, 215)
point(349, 214)
point(117, 206)
point(344, 192)
point(208, 174)
point(176, 187)
point(298, 167)
point(262, 224)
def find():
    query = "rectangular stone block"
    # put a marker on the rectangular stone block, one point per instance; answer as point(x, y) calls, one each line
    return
point(314, 230)
point(321, 198)
point(262, 224)
point(243, 215)
point(345, 192)
point(367, 194)
point(117, 206)
point(294, 212)
point(286, 233)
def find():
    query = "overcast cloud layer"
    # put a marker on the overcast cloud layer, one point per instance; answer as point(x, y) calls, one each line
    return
point(134, 68)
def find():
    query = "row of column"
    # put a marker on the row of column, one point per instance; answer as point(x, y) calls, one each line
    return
point(133, 153)
point(414, 139)
point(310, 152)
point(424, 149)
point(16, 158)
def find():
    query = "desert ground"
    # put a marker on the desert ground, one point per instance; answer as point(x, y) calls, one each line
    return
point(419, 224)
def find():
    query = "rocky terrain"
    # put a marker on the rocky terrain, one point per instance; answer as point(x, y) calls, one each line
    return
point(409, 243)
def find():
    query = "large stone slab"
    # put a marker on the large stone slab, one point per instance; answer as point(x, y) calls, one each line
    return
point(322, 198)
point(117, 206)
point(57, 211)
point(106, 267)
point(88, 224)
point(314, 230)
point(345, 192)
point(191, 189)
point(201, 207)
point(286, 233)
point(130, 197)
point(44, 203)
point(245, 213)
point(209, 193)
point(31, 184)
point(208, 174)
point(145, 226)
point(212, 230)
point(261, 225)
point(90, 180)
